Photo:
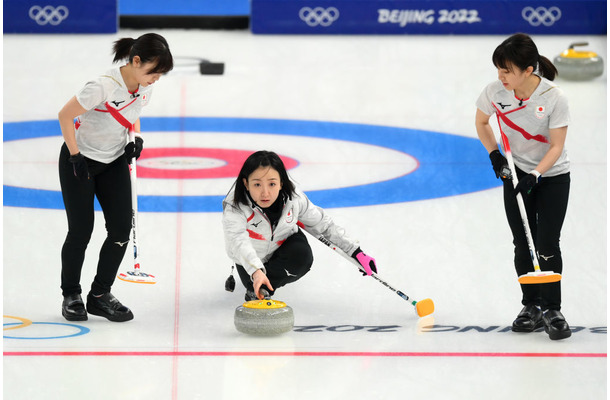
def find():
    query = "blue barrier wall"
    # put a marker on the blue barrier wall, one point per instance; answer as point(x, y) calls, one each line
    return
point(428, 16)
point(185, 7)
point(60, 16)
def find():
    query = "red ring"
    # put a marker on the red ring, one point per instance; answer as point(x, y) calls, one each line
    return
point(234, 160)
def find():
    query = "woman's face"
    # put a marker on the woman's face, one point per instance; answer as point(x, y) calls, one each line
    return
point(264, 186)
point(142, 72)
point(512, 77)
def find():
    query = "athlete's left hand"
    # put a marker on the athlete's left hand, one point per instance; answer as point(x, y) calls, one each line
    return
point(367, 262)
point(525, 185)
point(134, 149)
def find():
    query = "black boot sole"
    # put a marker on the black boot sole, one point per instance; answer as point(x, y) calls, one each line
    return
point(74, 318)
point(91, 309)
point(557, 335)
point(527, 330)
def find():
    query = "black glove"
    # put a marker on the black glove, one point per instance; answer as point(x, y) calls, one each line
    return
point(79, 166)
point(525, 185)
point(500, 165)
point(134, 149)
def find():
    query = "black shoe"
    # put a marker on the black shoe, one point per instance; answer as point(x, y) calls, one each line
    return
point(529, 319)
point(73, 308)
point(109, 307)
point(555, 325)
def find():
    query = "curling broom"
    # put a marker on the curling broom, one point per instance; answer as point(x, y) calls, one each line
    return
point(135, 275)
point(422, 308)
point(537, 276)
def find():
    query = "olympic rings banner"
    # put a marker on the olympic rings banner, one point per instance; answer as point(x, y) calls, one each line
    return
point(60, 16)
point(558, 17)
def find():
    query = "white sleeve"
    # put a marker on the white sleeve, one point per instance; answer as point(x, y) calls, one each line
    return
point(484, 102)
point(237, 241)
point(92, 94)
point(319, 223)
point(561, 113)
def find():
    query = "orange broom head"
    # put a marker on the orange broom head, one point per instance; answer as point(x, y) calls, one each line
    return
point(539, 277)
point(424, 307)
point(137, 277)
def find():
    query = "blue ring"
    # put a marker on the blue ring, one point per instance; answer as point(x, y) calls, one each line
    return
point(449, 165)
point(82, 331)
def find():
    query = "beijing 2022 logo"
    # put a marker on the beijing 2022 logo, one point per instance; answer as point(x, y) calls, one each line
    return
point(319, 16)
point(541, 15)
point(48, 14)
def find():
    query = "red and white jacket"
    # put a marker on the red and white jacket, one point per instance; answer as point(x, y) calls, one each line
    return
point(250, 239)
point(99, 135)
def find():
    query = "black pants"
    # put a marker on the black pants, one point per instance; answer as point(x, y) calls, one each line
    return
point(288, 264)
point(546, 208)
point(111, 184)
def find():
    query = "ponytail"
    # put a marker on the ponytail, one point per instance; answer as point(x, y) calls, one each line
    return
point(122, 48)
point(546, 68)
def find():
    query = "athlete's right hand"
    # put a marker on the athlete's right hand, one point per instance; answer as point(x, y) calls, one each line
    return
point(79, 166)
point(500, 165)
point(259, 279)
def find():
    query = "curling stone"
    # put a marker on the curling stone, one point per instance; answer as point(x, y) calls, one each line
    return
point(264, 317)
point(575, 65)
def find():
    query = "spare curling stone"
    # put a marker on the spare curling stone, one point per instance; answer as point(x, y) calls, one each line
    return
point(264, 317)
point(575, 65)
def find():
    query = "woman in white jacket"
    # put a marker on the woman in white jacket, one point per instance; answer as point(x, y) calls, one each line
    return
point(261, 218)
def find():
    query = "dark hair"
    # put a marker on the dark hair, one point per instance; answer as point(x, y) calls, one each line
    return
point(521, 51)
point(261, 158)
point(150, 47)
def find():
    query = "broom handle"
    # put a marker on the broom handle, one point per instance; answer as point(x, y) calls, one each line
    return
point(134, 205)
point(520, 203)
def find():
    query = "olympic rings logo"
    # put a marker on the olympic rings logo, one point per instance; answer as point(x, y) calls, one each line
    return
point(24, 323)
point(319, 16)
point(48, 14)
point(541, 15)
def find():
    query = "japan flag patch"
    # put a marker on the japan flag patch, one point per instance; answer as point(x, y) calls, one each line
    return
point(289, 216)
point(539, 112)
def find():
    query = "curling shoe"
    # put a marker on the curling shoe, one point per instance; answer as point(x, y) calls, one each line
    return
point(529, 319)
point(555, 325)
point(73, 308)
point(109, 307)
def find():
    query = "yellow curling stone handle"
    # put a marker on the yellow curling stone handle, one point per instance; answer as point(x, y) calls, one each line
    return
point(572, 53)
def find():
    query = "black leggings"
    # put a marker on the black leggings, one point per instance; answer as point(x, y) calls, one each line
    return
point(111, 184)
point(290, 262)
point(546, 209)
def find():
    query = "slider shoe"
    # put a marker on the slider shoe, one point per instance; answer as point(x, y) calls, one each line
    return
point(73, 308)
point(555, 325)
point(528, 319)
point(109, 307)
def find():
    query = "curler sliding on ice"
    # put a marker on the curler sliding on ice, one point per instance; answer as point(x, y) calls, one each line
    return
point(422, 308)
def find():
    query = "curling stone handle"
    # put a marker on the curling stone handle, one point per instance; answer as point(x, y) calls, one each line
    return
point(579, 44)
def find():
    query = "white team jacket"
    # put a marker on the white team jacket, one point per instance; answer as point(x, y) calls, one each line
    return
point(250, 240)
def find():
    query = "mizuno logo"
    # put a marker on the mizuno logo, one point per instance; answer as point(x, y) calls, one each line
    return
point(121, 244)
point(118, 103)
point(546, 258)
point(504, 105)
point(256, 224)
point(288, 273)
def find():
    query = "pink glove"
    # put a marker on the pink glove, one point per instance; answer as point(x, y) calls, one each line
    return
point(367, 262)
